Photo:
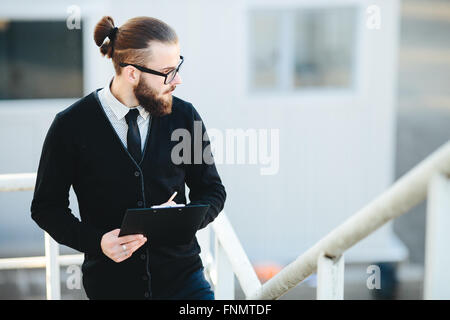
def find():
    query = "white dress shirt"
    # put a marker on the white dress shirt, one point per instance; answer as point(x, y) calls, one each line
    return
point(116, 112)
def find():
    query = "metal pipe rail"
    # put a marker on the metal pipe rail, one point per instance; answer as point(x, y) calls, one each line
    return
point(38, 262)
point(229, 247)
point(404, 194)
point(17, 182)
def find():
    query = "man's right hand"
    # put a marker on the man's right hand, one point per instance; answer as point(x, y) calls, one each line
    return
point(118, 248)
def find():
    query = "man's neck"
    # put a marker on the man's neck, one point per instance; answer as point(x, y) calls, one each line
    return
point(124, 95)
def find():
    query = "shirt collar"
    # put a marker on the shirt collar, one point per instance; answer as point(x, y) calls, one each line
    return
point(119, 109)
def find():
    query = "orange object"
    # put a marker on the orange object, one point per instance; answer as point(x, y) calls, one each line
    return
point(267, 270)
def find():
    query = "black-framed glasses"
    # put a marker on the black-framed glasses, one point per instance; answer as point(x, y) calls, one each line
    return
point(168, 77)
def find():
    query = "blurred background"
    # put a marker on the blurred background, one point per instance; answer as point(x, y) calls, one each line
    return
point(359, 91)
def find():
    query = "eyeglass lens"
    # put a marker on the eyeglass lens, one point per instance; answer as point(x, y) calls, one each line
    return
point(172, 74)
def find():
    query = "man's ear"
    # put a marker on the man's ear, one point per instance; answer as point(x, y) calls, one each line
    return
point(131, 74)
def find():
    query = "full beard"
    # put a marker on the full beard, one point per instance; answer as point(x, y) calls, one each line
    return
point(148, 99)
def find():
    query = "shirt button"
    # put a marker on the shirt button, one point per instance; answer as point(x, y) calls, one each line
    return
point(136, 173)
point(146, 294)
point(140, 203)
point(143, 256)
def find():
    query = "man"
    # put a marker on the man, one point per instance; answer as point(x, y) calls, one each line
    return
point(114, 147)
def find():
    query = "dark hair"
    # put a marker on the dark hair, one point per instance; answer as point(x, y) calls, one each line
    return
point(132, 41)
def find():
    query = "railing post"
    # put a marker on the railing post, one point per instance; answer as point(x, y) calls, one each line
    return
point(224, 288)
point(53, 285)
point(330, 278)
point(437, 241)
point(204, 241)
point(240, 264)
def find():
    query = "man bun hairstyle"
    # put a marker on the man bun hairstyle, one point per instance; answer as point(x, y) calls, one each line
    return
point(104, 29)
point(131, 42)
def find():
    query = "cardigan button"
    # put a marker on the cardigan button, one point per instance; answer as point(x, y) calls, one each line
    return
point(140, 203)
point(146, 294)
point(136, 173)
point(143, 256)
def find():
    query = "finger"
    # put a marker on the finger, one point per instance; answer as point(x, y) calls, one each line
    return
point(130, 245)
point(137, 246)
point(125, 254)
point(166, 204)
point(125, 239)
point(132, 242)
point(115, 232)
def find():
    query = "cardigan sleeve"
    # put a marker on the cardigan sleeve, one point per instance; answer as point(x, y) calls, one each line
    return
point(203, 180)
point(50, 204)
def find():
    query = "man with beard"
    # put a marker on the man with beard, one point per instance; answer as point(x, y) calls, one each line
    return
point(114, 147)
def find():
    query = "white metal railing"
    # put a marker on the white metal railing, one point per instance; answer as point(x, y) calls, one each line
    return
point(325, 257)
point(17, 182)
point(437, 260)
point(404, 194)
point(230, 258)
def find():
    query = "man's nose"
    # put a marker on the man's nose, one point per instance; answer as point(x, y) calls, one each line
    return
point(177, 80)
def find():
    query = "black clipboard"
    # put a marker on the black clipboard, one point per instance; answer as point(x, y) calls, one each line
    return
point(164, 226)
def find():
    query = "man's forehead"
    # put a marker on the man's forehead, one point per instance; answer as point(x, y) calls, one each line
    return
point(164, 55)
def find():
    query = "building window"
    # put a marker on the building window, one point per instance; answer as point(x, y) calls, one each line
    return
point(302, 48)
point(40, 60)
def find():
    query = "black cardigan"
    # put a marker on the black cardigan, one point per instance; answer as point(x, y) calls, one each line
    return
point(82, 149)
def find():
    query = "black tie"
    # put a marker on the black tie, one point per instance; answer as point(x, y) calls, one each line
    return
point(133, 135)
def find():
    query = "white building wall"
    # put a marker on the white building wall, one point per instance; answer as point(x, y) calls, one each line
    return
point(336, 150)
